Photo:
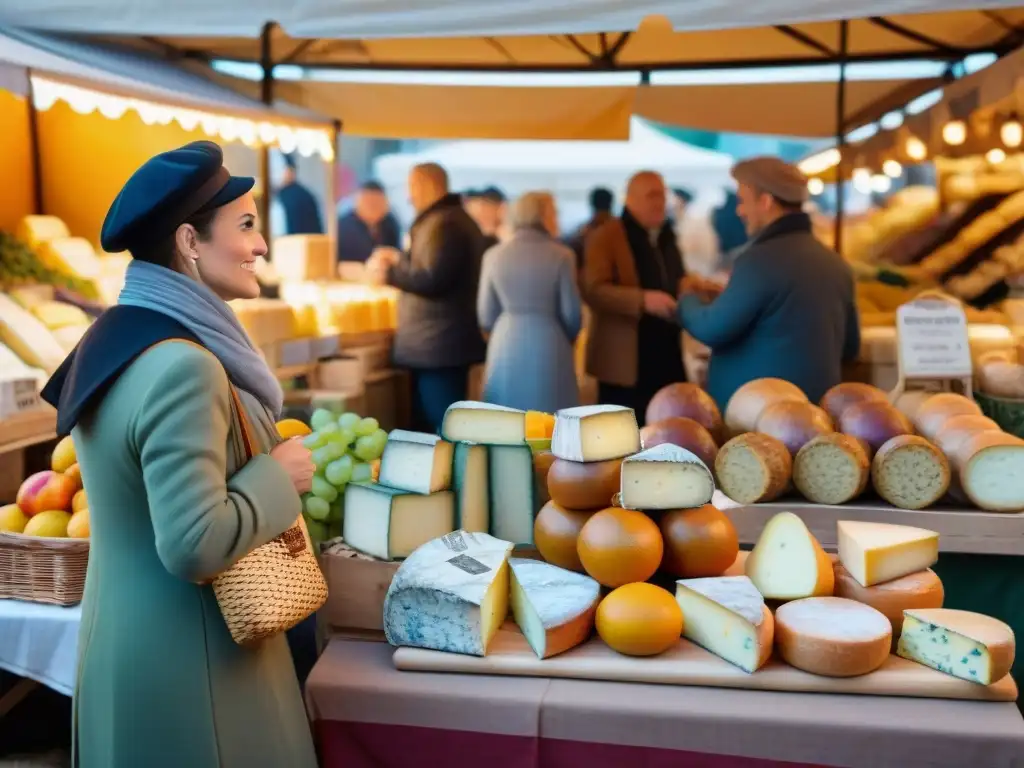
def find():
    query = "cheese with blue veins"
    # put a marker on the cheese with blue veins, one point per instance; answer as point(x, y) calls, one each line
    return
point(451, 594)
point(963, 644)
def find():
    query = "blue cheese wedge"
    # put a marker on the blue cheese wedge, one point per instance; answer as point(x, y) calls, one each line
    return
point(417, 462)
point(595, 433)
point(474, 422)
point(553, 607)
point(967, 645)
point(665, 477)
point(389, 524)
point(727, 616)
point(450, 595)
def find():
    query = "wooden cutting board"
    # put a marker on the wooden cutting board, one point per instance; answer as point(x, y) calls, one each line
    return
point(689, 664)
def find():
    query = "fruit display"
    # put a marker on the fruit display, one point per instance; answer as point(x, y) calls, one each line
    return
point(51, 503)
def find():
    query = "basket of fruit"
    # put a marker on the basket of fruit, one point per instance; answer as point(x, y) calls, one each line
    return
point(44, 536)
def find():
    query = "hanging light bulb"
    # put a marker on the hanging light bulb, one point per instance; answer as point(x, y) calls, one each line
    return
point(916, 149)
point(892, 169)
point(954, 133)
point(815, 186)
point(995, 156)
point(1011, 132)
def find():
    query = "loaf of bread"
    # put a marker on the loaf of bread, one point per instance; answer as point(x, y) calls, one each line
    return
point(684, 432)
point(1001, 378)
point(832, 469)
point(745, 406)
point(753, 468)
point(689, 401)
point(940, 407)
point(990, 468)
point(842, 396)
point(909, 403)
point(910, 473)
point(955, 431)
point(795, 423)
point(875, 422)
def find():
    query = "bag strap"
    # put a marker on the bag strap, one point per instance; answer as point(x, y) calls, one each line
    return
point(243, 423)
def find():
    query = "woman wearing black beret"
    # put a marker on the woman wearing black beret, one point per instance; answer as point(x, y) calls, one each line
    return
point(174, 499)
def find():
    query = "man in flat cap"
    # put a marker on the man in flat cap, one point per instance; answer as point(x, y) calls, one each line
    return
point(788, 310)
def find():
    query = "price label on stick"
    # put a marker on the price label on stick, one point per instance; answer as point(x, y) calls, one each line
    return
point(17, 396)
point(933, 340)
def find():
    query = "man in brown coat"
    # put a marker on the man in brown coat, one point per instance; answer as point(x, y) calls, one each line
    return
point(632, 270)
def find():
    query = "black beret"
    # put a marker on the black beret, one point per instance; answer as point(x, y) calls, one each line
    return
point(165, 192)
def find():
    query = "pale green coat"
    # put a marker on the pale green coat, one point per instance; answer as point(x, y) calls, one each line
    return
point(161, 684)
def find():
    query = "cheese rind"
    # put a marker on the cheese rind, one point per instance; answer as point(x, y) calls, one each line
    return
point(513, 496)
point(451, 594)
point(470, 482)
point(417, 462)
point(878, 552)
point(595, 433)
point(665, 477)
point(388, 523)
point(788, 563)
point(470, 421)
point(553, 607)
point(832, 636)
point(727, 616)
point(916, 590)
point(967, 645)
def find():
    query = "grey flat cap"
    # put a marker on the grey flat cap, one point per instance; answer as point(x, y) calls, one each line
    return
point(774, 176)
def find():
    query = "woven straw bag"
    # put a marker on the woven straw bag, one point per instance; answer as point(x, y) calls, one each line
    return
point(275, 586)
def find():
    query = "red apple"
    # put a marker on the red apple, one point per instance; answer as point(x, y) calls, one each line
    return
point(46, 490)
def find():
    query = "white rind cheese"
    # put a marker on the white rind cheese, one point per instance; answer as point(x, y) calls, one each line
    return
point(963, 644)
point(417, 462)
point(878, 552)
point(469, 421)
point(553, 607)
point(513, 492)
point(832, 636)
point(389, 524)
point(451, 594)
point(595, 433)
point(727, 616)
point(470, 481)
point(665, 477)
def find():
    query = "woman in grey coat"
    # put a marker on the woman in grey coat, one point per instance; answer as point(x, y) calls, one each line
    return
point(529, 304)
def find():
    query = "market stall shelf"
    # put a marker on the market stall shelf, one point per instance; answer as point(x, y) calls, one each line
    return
point(689, 664)
point(28, 428)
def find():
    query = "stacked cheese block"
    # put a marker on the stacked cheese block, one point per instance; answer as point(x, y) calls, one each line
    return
point(328, 307)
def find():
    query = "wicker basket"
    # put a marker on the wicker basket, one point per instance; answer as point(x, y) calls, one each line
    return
point(43, 570)
point(1007, 412)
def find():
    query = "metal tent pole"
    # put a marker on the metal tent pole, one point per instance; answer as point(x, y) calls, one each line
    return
point(267, 97)
point(844, 33)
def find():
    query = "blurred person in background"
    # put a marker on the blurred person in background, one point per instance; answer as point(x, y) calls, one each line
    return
point(368, 226)
point(488, 208)
point(601, 202)
point(529, 304)
point(730, 230)
point(438, 339)
point(631, 277)
point(293, 207)
point(788, 310)
point(680, 201)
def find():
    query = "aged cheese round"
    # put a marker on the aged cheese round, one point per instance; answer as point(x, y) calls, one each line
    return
point(753, 468)
point(684, 432)
point(542, 461)
point(794, 423)
point(578, 485)
point(745, 406)
point(832, 469)
point(842, 396)
point(990, 469)
point(639, 620)
point(698, 542)
point(620, 546)
point(832, 636)
point(918, 590)
point(875, 422)
point(910, 473)
point(938, 408)
point(956, 430)
point(555, 532)
point(689, 401)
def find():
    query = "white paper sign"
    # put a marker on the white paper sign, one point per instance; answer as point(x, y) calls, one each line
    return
point(18, 395)
point(933, 340)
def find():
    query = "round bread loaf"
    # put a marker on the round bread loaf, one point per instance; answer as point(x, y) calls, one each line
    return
point(579, 485)
point(688, 401)
point(910, 473)
point(848, 393)
point(832, 636)
point(875, 422)
point(908, 403)
point(939, 408)
point(753, 468)
point(956, 430)
point(832, 469)
point(745, 406)
point(684, 432)
point(990, 469)
point(794, 423)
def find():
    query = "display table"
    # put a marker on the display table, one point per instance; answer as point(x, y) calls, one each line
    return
point(368, 714)
point(39, 644)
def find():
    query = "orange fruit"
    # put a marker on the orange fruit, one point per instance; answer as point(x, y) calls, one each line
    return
point(555, 532)
point(698, 542)
point(75, 473)
point(620, 546)
point(639, 620)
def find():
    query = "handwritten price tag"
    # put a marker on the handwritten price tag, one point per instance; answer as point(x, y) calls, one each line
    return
point(933, 340)
point(17, 396)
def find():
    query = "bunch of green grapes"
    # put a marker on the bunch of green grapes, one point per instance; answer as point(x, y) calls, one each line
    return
point(343, 446)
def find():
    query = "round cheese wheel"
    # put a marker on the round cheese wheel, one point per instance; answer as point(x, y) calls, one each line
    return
point(909, 403)
point(910, 473)
point(956, 430)
point(848, 393)
point(832, 636)
point(940, 407)
point(579, 485)
point(698, 542)
point(542, 461)
point(555, 532)
point(794, 423)
point(989, 466)
point(753, 468)
point(917, 590)
point(639, 620)
point(832, 469)
point(684, 432)
point(689, 401)
point(620, 546)
point(875, 422)
point(745, 406)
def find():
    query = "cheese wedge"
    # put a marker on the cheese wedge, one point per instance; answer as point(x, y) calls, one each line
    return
point(552, 606)
point(960, 643)
point(727, 616)
point(877, 552)
point(416, 462)
point(73, 256)
point(665, 477)
point(473, 422)
point(470, 482)
point(36, 230)
point(595, 433)
point(788, 563)
point(298, 258)
point(513, 492)
point(451, 594)
point(28, 338)
point(57, 314)
point(388, 523)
